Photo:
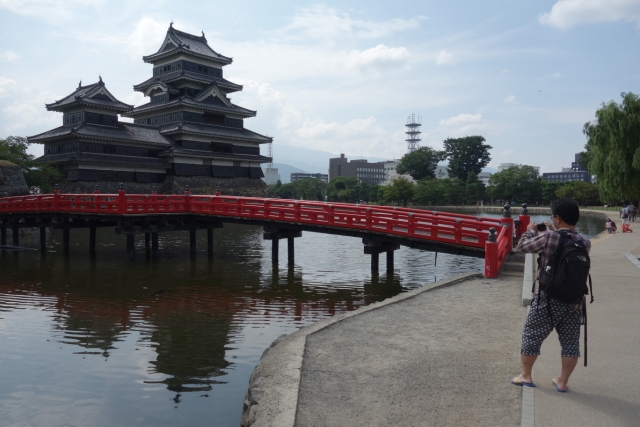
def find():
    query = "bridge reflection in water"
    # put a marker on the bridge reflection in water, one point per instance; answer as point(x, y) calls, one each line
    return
point(194, 329)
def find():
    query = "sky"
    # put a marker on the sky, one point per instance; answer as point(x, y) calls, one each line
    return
point(344, 76)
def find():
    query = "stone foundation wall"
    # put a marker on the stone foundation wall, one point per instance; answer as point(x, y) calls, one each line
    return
point(12, 181)
point(251, 187)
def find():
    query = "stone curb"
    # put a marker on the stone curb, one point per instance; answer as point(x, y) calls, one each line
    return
point(634, 259)
point(272, 397)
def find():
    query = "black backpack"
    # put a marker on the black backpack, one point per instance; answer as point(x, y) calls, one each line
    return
point(568, 273)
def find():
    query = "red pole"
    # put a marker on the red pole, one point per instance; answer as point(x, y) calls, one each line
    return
point(491, 255)
point(56, 198)
point(506, 219)
point(187, 204)
point(122, 200)
point(524, 218)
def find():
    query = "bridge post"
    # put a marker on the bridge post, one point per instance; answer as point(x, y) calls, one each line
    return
point(375, 248)
point(154, 242)
point(210, 241)
point(92, 239)
point(491, 255)
point(43, 240)
point(3, 232)
point(290, 251)
point(507, 219)
point(274, 251)
point(131, 246)
point(65, 237)
point(275, 234)
point(192, 241)
point(147, 242)
point(16, 233)
point(375, 262)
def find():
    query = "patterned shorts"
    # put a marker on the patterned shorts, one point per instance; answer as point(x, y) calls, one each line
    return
point(565, 319)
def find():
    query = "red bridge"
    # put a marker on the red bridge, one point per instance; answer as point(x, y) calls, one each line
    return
point(382, 228)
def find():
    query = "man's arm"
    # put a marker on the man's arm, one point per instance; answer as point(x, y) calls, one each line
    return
point(532, 241)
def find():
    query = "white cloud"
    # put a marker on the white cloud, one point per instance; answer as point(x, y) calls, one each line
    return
point(286, 114)
point(354, 136)
point(146, 38)
point(5, 85)
point(444, 57)
point(28, 112)
point(460, 119)
point(462, 124)
point(10, 56)
point(377, 57)
point(326, 24)
point(554, 75)
point(511, 99)
point(50, 10)
point(569, 13)
point(505, 71)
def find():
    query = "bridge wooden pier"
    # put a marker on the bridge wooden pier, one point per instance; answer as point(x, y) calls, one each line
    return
point(383, 229)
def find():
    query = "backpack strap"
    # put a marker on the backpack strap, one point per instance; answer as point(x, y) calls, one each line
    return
point(590, 291)
point(584, 319)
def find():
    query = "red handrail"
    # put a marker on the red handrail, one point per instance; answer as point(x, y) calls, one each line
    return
point(442, 227)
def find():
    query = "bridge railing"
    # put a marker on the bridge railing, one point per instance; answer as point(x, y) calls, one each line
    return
point(443, 227)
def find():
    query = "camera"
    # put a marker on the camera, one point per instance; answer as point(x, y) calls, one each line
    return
point(541, 227)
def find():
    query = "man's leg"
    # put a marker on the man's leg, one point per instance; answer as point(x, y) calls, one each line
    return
point(568, 365)
point(527, 367)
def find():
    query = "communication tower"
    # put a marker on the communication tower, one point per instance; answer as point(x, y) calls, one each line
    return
point(270, 153)
point(413, 133)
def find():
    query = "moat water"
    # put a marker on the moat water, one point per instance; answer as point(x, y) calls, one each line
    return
point(172, 341)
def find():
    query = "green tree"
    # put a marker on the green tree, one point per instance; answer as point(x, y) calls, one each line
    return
point(475, 189)
point(420, 163)
point(40, 178)
point(613, 148)
point(518, 183)
point(548, 191)
point(343, 189)
point(583, 193)
point(466, 155)
point(429, 191)
point(400, 190)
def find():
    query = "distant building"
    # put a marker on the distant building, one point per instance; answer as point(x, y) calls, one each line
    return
point(297, 176)
point(484, 177)
point(371, 173)
point(271, 176)
point(390, 172)
point(504, 166)
point(577, 172)
point(441, 172)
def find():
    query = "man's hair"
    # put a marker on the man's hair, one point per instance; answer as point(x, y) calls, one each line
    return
point(567, 210)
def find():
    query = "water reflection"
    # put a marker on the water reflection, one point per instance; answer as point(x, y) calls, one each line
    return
point(153, 336)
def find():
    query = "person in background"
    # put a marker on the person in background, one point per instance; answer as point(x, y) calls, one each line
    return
point(633, 210)
point(624, 214)
point(608, 226)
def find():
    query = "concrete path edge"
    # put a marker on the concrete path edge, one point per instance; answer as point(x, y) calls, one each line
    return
point(272, 396)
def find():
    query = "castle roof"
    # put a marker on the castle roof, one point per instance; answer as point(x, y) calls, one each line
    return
point(180, 42)
point(188, 75)
point(215, 105)
point(124, 132)
point(207, 130)
point(105, 159)
point(94, 95)
point(177, 151)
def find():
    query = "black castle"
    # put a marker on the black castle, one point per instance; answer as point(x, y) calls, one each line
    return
point(188, 134)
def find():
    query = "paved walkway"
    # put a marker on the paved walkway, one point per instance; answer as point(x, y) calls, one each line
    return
point(443, 356)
